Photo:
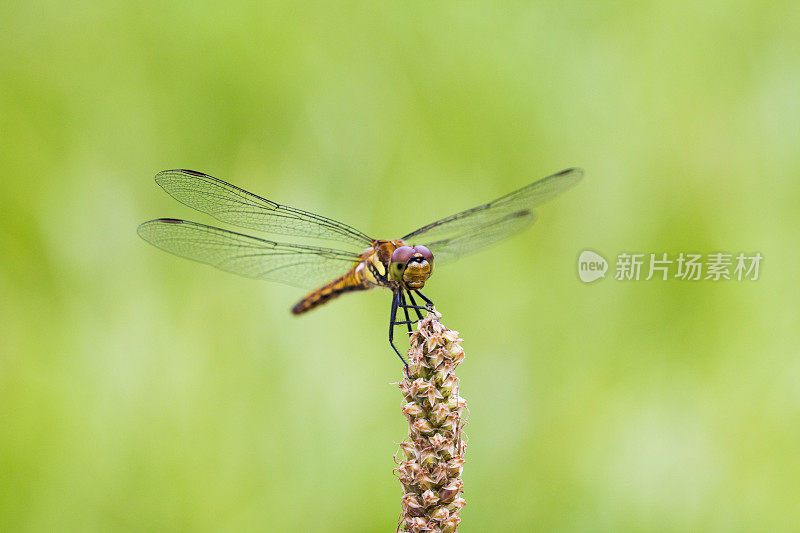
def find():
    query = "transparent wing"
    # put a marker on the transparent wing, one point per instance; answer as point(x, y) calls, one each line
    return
point(233, 205)
point(293, 264)
point(476, 228)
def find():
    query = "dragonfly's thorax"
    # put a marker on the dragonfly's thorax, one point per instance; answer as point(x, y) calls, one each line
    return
point(374, 266)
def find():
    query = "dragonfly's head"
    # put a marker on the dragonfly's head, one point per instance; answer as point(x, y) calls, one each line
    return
point(411, 265)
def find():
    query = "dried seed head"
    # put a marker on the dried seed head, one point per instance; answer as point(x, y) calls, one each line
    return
point(413, 410)
point(432, 458)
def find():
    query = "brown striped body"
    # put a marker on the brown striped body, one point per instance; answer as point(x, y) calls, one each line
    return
point(345, 283)
point(370, 272)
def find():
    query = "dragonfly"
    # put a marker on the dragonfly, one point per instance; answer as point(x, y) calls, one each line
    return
point(358, 263)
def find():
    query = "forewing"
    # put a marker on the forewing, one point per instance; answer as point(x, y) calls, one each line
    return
point(233, 205)
point(487, 224)
point(450, 248)
point(293, 264)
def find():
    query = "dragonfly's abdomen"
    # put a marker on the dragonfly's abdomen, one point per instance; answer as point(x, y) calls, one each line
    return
point(351, 281)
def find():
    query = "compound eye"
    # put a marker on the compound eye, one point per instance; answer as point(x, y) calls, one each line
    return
point(426, 254)
point(402, 254)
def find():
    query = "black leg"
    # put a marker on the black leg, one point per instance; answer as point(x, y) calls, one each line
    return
point(414, 305)
point(424, 298)
point(392, 321)
point(405, 310)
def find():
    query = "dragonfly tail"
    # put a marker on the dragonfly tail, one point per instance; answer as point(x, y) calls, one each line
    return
point(347, 283)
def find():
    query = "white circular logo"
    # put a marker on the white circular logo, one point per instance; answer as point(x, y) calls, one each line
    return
point(591, 266)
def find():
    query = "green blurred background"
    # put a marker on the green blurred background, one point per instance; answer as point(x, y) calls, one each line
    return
point(139, 391)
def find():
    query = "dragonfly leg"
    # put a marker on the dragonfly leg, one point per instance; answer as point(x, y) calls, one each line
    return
point(415, 306)
point(392, 323)
point(427, 300)
point(405, 310)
